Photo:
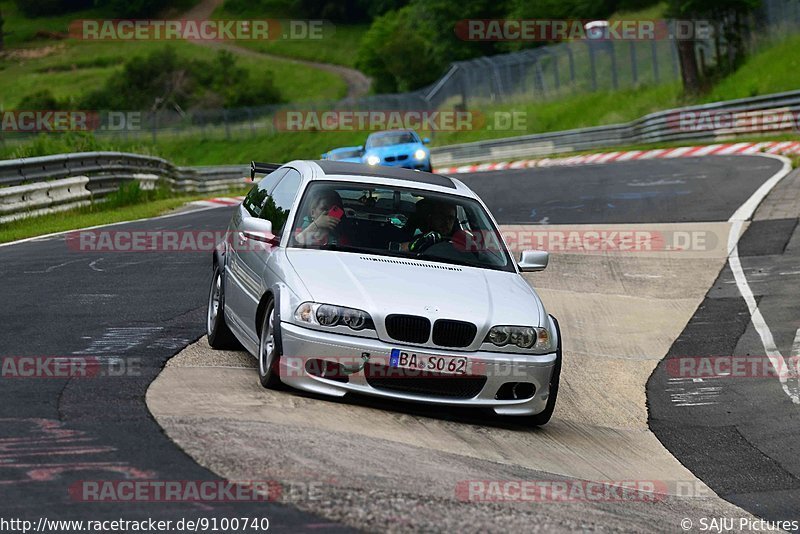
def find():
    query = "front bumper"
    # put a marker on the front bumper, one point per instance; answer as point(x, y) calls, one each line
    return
point(303, 344)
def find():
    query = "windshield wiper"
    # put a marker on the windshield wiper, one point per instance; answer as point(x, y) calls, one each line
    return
point(341, 248)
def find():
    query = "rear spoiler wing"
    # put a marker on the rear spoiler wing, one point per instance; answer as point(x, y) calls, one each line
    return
point(262, 168)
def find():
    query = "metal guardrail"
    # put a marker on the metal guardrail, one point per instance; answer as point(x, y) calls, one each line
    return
point(35, 186)
point(106, 171)
point(777, 113)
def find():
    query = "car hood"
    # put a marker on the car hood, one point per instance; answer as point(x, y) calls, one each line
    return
point(406, 148)
point(384, 285)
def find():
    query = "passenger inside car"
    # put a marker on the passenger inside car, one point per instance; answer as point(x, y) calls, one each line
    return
point(324, 224)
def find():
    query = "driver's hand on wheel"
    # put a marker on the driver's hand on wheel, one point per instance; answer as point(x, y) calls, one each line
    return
point(424, 241)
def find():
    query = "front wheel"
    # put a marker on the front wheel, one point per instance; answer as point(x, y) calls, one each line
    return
point(269, 351)
point(219, 335)
point(543, 417)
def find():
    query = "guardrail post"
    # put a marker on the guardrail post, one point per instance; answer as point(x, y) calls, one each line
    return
point(654, 55)
point(571, 68)
point(612, 54)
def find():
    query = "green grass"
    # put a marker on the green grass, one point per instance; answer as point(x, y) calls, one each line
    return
point(69, 67)
point(338, 45)
point(774, 69)
point(591, 109)
point(654, 12)
point(125, 206)
point(21, 30)
point(272, 148)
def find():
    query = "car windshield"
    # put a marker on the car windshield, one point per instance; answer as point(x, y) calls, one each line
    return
point(401, 222)
point(397, 138)
point(343, 154)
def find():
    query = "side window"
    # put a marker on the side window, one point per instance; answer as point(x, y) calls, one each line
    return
point(255, 199)
point(280, 201)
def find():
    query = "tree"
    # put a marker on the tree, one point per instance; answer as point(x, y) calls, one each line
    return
point(1, 30)
point(729, 16)
point(410, 48)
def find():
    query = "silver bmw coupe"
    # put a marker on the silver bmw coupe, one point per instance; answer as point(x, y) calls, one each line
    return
point(342, 278)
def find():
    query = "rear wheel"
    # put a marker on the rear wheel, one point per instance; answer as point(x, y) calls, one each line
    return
point(219, 335)
point(269, 351)
point(544, 416)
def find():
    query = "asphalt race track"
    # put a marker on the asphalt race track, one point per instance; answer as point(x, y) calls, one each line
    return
point(138, 308)
point(392, 467)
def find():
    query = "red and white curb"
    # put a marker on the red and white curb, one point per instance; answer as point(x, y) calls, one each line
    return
point(219, 202)
point(770, 147)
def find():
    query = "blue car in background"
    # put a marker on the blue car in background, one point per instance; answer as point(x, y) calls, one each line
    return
point(350, 154)
point(397, 148)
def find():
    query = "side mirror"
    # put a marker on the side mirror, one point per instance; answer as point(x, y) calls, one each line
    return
point(531, 261)
point(258, 230)
point(425, 140)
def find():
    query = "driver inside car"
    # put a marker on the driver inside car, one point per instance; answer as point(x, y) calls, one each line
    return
point(436, 224)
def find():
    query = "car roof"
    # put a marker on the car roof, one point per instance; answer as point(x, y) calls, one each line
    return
point(341, 170)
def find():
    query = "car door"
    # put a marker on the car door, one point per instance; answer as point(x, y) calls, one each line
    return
point(253, 259)
point(236, 299)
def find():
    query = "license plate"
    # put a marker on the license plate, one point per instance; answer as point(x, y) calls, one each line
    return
point(402, 359)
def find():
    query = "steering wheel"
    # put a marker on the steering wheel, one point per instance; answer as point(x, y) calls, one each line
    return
point(426, 241)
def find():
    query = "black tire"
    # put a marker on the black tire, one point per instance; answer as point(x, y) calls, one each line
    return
point(219, 335)
point(543, 417)
point(269, 350)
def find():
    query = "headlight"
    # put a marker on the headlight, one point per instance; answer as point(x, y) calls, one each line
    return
point(524, 337)
point(373, 160)
point(420, 154)
point(330, 316)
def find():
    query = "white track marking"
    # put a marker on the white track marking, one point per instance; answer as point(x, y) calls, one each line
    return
point(732, 149)
point(64, 232)
point(629, 155)
point(678, 152)
point(706, 150)
point(794, 367)
point(744, 213)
